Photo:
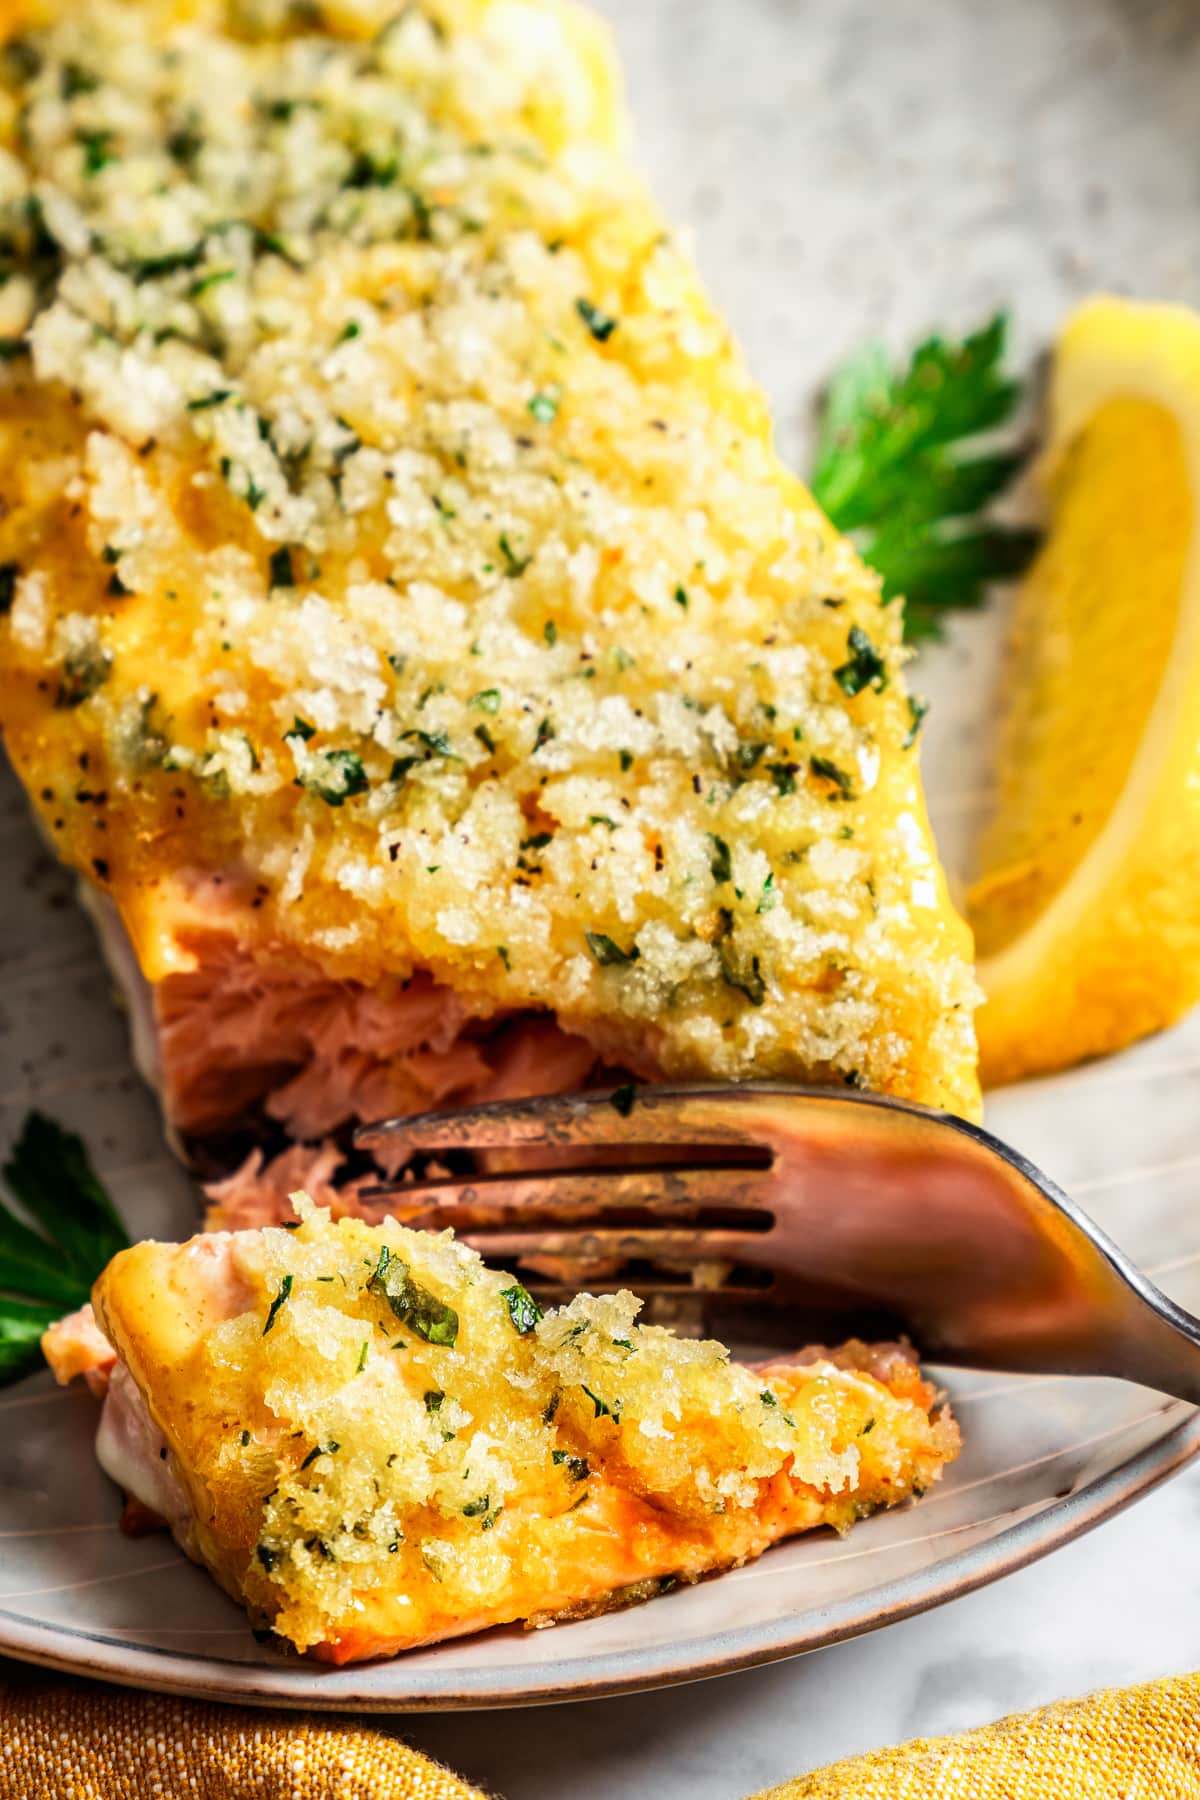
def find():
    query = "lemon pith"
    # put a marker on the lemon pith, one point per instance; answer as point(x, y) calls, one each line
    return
point(1085, 907)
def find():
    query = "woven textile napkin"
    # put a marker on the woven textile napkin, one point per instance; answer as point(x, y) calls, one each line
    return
point(63, 1740)
point(1138, 1743)
point(66, 1740)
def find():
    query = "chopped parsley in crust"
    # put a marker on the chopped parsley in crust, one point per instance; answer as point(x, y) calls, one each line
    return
point(382, 494)
point(524, 1468)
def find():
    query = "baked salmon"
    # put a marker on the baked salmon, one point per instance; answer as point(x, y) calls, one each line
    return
point(408, 630)
point(373, 1441)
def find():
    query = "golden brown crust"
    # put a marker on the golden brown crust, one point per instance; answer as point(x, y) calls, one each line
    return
point(383, 1444)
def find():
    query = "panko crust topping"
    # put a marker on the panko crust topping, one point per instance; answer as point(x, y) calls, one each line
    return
point(392, 532)
point(383, 1442)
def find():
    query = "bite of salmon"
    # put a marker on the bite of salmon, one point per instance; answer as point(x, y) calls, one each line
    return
point(373, 1441)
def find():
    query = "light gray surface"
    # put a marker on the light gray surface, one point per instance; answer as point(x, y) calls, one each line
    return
point(862, 166)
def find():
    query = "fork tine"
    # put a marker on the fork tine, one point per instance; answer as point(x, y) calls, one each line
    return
point(624, 1115)
point(639, 1243)
point(592, 1190)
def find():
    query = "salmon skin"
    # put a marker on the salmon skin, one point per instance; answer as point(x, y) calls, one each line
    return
point(406, 623)
point(374, 1442)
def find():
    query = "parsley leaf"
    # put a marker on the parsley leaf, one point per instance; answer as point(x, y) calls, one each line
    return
point(605, 1409)
point(544, 406)
point(599, 323)
point(607, 952)
point(864, 667)
point(52, 1251)
point(890, 469)
point(282, 574)
point(721, 862)
point(523, 1309)
point(335, 776)
point(825, 770)
point(423, 1313)
point(285, 1288)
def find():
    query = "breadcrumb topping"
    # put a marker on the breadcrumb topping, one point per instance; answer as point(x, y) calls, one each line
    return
point(393, 1399)
point(389, 488)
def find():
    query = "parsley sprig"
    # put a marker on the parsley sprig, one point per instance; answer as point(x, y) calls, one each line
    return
point(895, 468)
point(54, 1241)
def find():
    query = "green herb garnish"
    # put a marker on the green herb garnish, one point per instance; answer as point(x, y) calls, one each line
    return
point(721, 861)
point(205, 402)
point(864, 668)
point(282, 573)
point(482, 1509)
point(84, 673)
point(748, 755)
point(891, 471)
point(829, 771)
point(423, 1313)
point(434, 743)
point(523, 1309)
point(335, 776)
point(319, 1450)
point(285, 1288)
point(214, 278)
point(917, 709)
point(607, 953)
point(599, 323)
point(745, 978)
point(604, 1410)
point(514, 565)
point(52, 1250)
point(97, 151)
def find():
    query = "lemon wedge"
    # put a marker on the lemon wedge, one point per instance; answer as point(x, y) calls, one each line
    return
point(1086, 909)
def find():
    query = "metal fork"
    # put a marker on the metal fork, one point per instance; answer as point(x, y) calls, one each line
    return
point(781, 1196)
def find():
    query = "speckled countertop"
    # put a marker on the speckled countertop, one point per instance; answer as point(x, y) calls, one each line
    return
point(852, 167)
point(848, 167)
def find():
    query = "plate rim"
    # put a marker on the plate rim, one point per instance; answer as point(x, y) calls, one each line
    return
point(71, 1650)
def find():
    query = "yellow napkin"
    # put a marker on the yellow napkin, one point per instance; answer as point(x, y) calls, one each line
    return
point(1138, 1743)
point(60, 1738)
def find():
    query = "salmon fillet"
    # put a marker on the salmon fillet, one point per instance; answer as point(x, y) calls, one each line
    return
point(405, 621)
point(373, 1441)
